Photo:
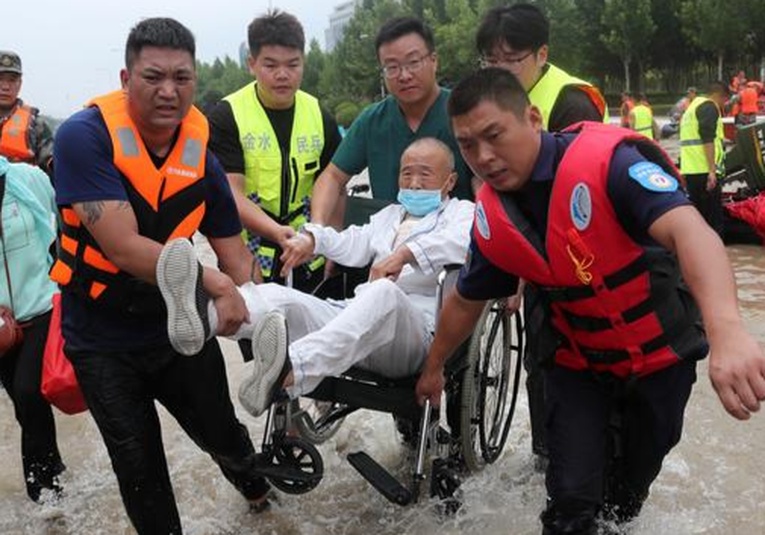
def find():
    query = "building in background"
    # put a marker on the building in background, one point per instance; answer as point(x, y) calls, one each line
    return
point(338, 20)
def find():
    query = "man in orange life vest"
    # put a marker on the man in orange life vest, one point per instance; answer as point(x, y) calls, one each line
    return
point(748, 96)
point(596, 221)
point(24, 136)
point(132, 172)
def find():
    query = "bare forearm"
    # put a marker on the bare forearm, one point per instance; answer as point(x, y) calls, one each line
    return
point(456, 322)
point(709, 154)
point(709, 276)
point(114, 227)
point(329, 187)
point(234, 259)
point(704, 265)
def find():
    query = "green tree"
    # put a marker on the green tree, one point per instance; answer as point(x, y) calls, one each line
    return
point(583, 52)
point(716, 26)
point(315, 63)
point(216, 80)
point(755, 36)
point(454, 44)
point(629, 29)
point(356, 73)
point(674, 68)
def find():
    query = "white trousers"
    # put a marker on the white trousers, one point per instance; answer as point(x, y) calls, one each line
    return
point(379, 330)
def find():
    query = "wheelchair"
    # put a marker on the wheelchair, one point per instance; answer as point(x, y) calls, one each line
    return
point(467, 433)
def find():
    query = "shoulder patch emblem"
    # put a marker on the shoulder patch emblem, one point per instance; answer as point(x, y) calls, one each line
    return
point(580, 206)
point(652, 177)
point(482, 222)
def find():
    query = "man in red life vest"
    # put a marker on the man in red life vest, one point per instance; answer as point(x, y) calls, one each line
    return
point(595, 219)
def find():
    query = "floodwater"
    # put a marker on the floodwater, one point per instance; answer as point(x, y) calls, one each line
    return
point(712, 483)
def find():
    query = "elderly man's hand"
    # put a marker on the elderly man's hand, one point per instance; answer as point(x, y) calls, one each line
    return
point(391, 266)
point(296, 250)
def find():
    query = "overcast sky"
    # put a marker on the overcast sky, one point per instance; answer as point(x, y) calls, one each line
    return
point(72, 50)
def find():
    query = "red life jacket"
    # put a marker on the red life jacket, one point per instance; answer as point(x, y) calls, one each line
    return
point(14, 135)
point(618, 307)
point(168, 203)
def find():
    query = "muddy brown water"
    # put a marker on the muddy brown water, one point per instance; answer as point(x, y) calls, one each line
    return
point(712, 483)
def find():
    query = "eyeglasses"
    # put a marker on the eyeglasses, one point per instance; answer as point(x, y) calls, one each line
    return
point(506, 60)
point(393, 70)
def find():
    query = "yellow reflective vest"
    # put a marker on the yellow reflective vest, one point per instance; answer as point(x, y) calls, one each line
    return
point(692, 158)
point(280, 184)
point(643, 116)
point(545, 92)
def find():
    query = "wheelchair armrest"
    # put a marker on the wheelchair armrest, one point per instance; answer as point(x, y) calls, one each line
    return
point(447, 280)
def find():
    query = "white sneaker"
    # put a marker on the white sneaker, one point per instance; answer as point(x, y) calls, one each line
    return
point(179, 277)
point(271, 364)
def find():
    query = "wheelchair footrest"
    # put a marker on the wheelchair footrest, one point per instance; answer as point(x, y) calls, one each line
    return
point(380, 478)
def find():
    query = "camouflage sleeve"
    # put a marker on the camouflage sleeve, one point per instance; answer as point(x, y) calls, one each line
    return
point(43, 144)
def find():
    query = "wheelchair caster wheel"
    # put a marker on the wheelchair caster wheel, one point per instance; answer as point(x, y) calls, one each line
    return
point(444, 482)
point(296, 453)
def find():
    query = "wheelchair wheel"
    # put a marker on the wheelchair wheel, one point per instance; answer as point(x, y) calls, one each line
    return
point(490, 384)
point(312, 419)
point(301, 455)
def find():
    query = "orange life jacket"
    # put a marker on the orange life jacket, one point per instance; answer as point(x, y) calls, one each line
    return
point(15, 134)
point(617, 306)
point(749, 100)
point(168, 203)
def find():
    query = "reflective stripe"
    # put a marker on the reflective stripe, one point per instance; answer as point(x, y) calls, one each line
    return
point(128, 142)
point(192, 153)
point(691, 142)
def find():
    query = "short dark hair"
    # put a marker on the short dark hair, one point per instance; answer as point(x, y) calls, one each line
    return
point(275, 28)
point(490, 84)
point(160, 32)
point(522, 26)
point(401, 26)
point(718, 87)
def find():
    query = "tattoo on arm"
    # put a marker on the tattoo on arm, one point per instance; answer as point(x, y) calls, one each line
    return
point(95, 209)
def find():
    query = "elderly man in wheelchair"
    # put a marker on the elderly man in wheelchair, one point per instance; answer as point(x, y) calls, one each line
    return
point(364, 351)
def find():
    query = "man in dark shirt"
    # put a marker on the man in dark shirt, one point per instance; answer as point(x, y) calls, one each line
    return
point(273, 141)
point(132, 170)
point(561, 210)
